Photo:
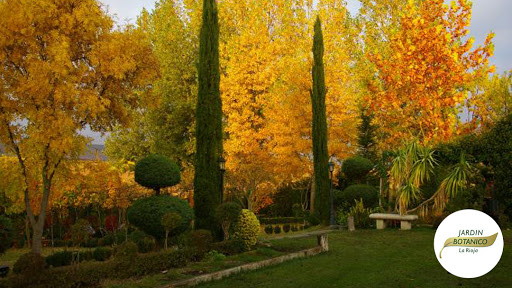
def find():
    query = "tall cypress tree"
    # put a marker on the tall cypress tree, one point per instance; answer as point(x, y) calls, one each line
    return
point(366, 134)
point(320, 153)
point(207, 178)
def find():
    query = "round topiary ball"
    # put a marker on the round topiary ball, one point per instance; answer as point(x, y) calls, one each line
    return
point(156, 172)
point(247, 228)
point(146, 214)
point(347, 197)
point(29, 264)
point(356, 168)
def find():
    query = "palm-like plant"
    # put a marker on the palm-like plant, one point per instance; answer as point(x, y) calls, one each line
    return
point(413, 166)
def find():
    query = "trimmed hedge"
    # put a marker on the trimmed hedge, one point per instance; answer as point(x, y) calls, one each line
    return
point(230, 247)
point(91, 274)
point(281, 220)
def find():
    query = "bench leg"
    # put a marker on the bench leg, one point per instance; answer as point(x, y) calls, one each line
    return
point(405, 225)
point(381, 224)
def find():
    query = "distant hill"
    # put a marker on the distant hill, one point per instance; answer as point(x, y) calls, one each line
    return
point(93, 152)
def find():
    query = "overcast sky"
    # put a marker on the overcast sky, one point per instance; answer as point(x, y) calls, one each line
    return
point(488, 15)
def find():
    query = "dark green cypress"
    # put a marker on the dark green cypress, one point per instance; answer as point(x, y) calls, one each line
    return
point(207, 178)
point(320, 153)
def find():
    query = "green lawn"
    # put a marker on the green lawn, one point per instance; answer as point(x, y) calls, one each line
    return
point(371, 258)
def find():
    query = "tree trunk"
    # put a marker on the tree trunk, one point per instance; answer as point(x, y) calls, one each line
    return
point(312, 197)
point(166, 237)
point(27, 232)
point(37, 237)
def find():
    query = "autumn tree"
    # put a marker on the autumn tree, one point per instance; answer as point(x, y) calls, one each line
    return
point(207, 178)
point(319, 135)
point(165, 126)
point(64, 68)
point(490, 101)
point(421, 84)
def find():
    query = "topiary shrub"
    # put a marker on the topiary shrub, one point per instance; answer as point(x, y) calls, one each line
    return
point(146, 214)
point(345, 199)
point(101, 254)
point(127, 250)
point(201, 240)
point(6, 229)
point(277, 229)
point(79, 232)
point(58, 259)
point(247, 228)
point(156, 172)
point(117, 237)
point(145, 243)
point(226, 214)
point(269, 229)
point(170, 221)
point(29, 264)
point(355, 168)
point(286, 228)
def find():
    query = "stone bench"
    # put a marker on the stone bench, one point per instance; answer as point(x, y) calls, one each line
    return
point(405, 220)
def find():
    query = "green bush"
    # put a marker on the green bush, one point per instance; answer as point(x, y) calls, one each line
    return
point(126, 250)
point(145, 243)
point(101, 254)
point(297, 210)
point(269, 229)
point(113, 238)
point(156, 172)
point(91, 274)
point(357, 167)
point(313, 219)
point(200, 240)
point(29, 264)
point(277, 229)
point(247, 228)
point(361, 215)
point(146, 214)
point(91, 243)
point(341, 217)
point(79, 232)
point(286, 228)
point(170, 221)
point(345, 199)
point(215, 256)
point(58, 259)
point(6, 229)
point(230, 247)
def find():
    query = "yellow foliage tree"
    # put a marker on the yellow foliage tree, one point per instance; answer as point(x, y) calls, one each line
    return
point(63, 68)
